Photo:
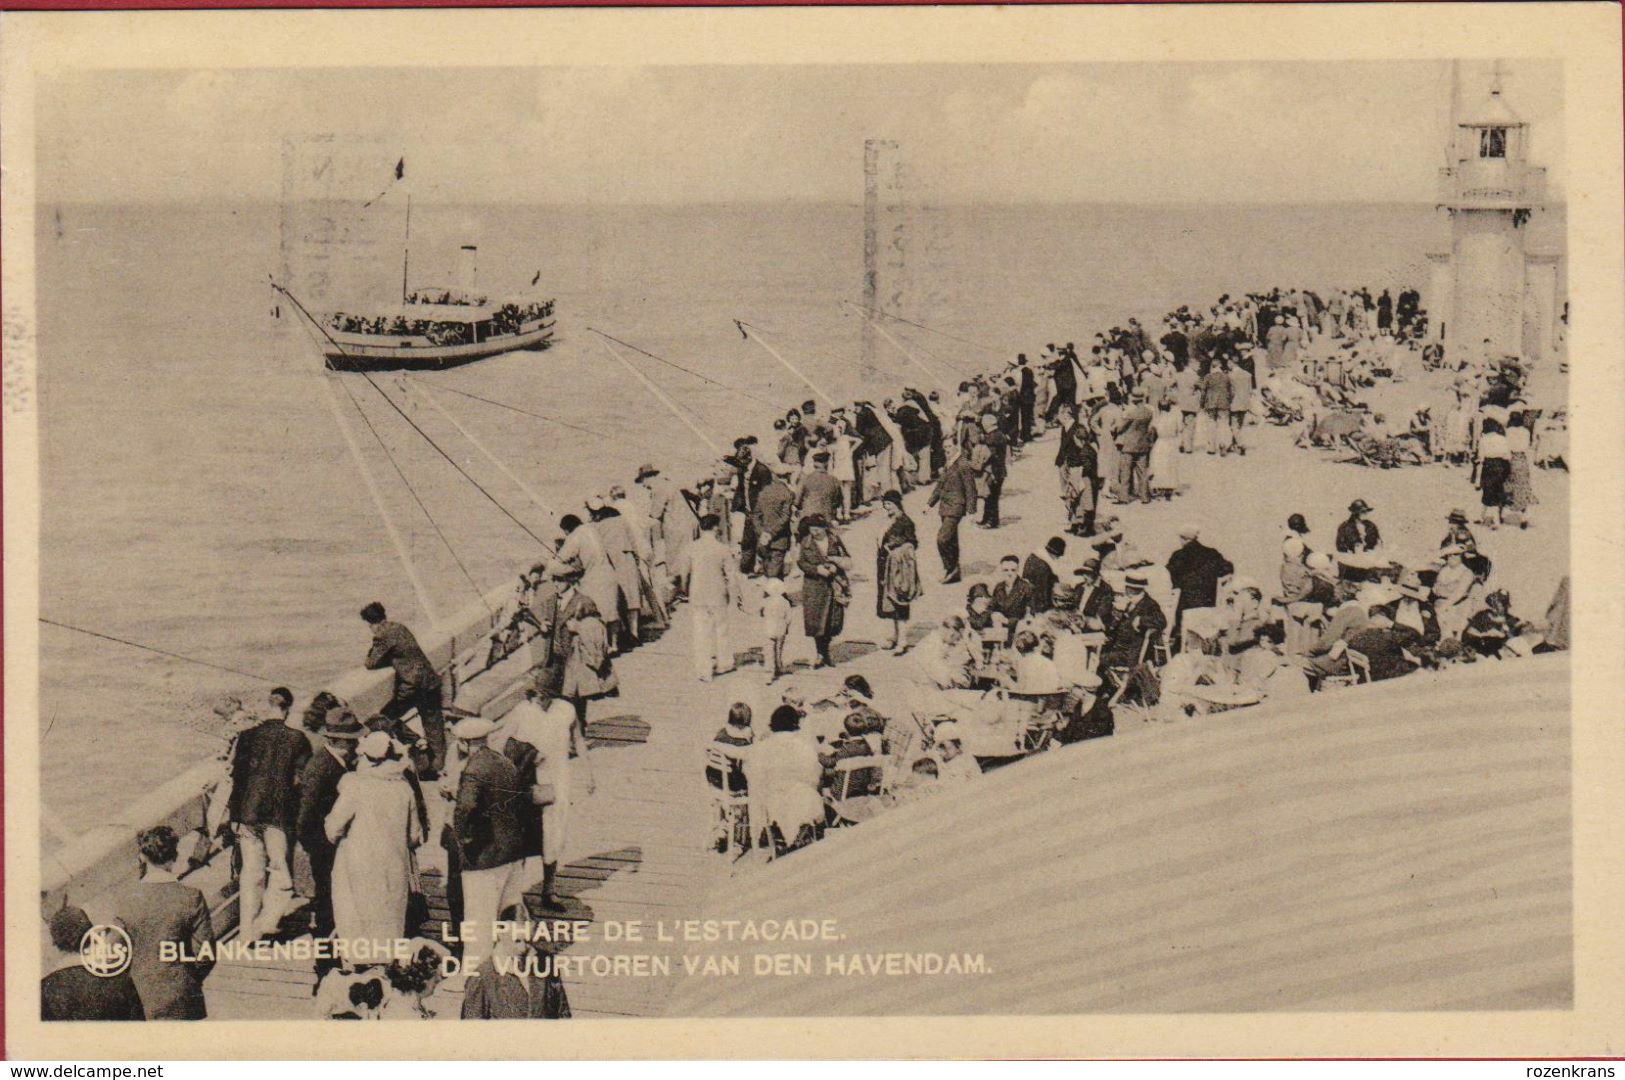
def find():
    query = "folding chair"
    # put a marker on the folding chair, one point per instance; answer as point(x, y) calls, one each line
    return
point(1161, 648)
point(733, 806)
point(858, 782)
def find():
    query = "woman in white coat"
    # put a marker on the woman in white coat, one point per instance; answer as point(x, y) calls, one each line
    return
point(375, 824)
point(548, 725)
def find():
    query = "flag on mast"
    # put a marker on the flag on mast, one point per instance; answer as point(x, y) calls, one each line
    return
point(400, 174)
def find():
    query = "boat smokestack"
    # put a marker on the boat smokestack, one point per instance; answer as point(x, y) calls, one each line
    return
point(468, 268)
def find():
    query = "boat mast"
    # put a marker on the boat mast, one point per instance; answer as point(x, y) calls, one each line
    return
point(406, 255)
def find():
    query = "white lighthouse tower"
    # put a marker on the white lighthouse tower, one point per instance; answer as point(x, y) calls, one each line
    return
point(1489, 192)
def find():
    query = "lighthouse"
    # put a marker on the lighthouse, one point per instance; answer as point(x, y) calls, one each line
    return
point(1500, 299)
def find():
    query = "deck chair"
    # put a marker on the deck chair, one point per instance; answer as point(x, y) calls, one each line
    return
point(733, 806)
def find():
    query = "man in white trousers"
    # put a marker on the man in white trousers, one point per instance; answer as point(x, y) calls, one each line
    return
point(712, 589)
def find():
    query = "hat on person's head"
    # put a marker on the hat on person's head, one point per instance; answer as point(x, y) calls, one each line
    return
point(742, 442)
point(1297, 523)
point(595, 503)
point(1140, 394)
point(947, 731)
point(858, 686)
point(1318, 560)
point(775, 586)
point(1451, 549)
point(1055, 546)
point(1091, 565)
point(646, 471)
point(1359, 506)
point(1190, 532)
point(473, 727)
point(377, 746)
point(821, 456)
point(1457, 517)
point(809, 407)
point(341, 723)
point(1136, 581)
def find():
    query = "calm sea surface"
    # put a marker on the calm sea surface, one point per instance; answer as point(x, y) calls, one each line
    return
point(199, 497)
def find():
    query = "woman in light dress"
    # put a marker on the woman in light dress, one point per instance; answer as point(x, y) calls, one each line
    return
point(1165, 451)
point(583, 547)
point(375, 824)
point(783, 772)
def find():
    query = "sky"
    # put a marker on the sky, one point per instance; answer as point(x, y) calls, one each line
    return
point(1125, 132)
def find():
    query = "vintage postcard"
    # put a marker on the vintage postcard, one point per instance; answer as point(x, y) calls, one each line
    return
point(1064, 531)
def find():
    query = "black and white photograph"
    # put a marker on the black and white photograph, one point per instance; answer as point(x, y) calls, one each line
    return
point(702, 539)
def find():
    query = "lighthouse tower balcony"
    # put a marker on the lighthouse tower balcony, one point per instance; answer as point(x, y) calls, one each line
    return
point(1492, 184)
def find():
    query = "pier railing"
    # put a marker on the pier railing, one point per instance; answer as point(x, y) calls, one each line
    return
point(101, 862)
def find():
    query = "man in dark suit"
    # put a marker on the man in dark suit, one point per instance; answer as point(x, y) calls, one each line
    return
point(1027, 393)
point(1040, 574)
point(159, 912)
point(417, 684)
point(1012, 596)
point(775, 507)
point(318, 791)
point(750, 477)
point(1078, 460)
point(998, 447)
point(1141, 620)
point(1094, 597)
point(71, 991)
point(263, 809)
point(1066, 384)
point(1195, 570)
point(487, 834)
point(1356, 533)
point(954, 497)
point(1134, 435)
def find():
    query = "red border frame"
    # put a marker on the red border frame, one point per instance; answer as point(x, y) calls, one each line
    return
point(292, 5)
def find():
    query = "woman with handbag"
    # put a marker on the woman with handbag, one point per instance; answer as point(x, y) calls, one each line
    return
point(897, 577)
point(825, 592)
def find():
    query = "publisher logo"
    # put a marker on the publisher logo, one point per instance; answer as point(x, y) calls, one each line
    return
point(105, 951)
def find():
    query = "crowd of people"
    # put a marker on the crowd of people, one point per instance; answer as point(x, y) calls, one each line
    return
point(327, 822)
point(509, 318)
point(1076, 631)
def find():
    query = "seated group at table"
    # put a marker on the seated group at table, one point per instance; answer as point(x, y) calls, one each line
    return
point(830, 762)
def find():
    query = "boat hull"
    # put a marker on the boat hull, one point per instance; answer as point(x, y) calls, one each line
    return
point(351, 356)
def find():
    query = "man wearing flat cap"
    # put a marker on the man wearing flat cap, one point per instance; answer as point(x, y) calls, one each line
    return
point(820, 492)
point(486, 838)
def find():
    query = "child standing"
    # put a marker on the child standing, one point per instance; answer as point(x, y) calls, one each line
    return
point(775, 612)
